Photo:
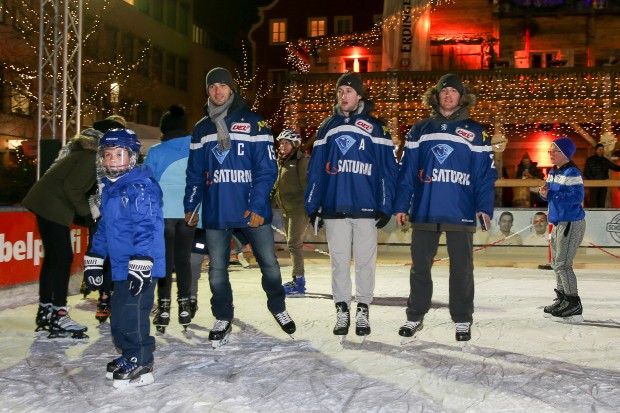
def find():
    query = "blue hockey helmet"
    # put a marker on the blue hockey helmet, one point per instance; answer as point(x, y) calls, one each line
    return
point(112, 163)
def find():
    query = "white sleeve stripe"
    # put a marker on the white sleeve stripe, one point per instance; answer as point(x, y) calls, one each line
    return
point(233, 137)
point(447, 137)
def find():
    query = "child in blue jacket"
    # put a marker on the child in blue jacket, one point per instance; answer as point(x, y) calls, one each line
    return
point(131, 233)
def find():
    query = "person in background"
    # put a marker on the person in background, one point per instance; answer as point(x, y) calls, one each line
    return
point(598, 167)
point(505, 236)
point(527, 169)
point(564, 190)
point(288, 194)
point(58, 200)
point(131, 233)
point(445, 184)
point(168, 161)
point(231, 170)
point(351, 180)
point(540, 236)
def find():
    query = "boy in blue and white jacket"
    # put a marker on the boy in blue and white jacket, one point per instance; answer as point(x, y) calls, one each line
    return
point(231, 170)
point(564, 190)
point(131, 233)
point(351, 180)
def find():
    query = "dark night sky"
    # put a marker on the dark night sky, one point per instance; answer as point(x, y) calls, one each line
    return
point(228, 20)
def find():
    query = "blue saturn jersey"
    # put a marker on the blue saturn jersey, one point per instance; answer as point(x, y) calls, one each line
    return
point(447, 173)
point(234, 181)
point(566, 194)
point(352, 170)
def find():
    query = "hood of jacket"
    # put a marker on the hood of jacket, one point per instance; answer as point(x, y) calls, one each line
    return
point(468, 100)
point(367, 107)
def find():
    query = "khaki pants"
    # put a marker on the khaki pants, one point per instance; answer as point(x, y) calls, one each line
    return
point(295, 224)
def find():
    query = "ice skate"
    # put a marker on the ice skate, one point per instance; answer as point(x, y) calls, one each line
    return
point(103, 309)
point(409, 330)
point(62, 326)
point(343, 320)
point(131, 374)
point(114, 365)
point(162, 315)
point(193, 307)
point(556, 303)
point(569, 311)
point(362, 323)
point(463, 331)
point(219, 334)
point(242, 260)
point(44, 316)
point(184, 312)
point(295, 288)
point(286, 323)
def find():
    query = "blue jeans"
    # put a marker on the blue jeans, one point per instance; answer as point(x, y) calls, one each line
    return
point(261, 240)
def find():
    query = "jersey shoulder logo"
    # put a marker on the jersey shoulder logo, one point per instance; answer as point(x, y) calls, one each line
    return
point(344, 143)
point(220, 156)
point(240, 127)
point(442, 151)
point(467, 134)
point(362, 124)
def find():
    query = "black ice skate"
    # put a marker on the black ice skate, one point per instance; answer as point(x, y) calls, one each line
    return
point(193, 307)
point(184, 312)
point(219, 333)
point(343, 319)
point(362, 323)
point(162, 315)
point(62, 326)
point(569, 311)
point(463, 331)
point(556, 303)
point(114, 365)
point(286, 323)
point(409, 330)
point(44, 317)
point(131, 374)
point(103, 309)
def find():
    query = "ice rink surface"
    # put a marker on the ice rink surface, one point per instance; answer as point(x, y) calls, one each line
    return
point(517, 361)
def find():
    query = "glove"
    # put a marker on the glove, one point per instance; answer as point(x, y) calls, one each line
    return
point(315, 220)
point(93, 271)
point(94, 201)
point(84, 220)
point(381, 219)
point(139, 276)
point(194, 220)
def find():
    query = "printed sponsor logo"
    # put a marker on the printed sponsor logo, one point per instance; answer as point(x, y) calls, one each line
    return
point(240, 127)
point(613, 228)
point(467, 134)
point(364, 125)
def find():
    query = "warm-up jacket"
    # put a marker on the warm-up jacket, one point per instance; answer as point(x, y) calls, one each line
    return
point(288, 192)
point(447, 172)
point(566, 194)
point(168, 161)
point(352, 171)
point(237, 180)
point(132, 222)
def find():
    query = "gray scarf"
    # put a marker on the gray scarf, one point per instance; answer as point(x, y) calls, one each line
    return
point(217, 114)
point(360, 109)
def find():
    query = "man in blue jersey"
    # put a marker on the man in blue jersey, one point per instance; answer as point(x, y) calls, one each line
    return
point(351, 180)
point(230, 172)
point(445, 184)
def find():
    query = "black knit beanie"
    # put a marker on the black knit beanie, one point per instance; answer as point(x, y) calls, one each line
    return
point(450, 80)
point(353, 80)
point(219, 75)
point(173, 120)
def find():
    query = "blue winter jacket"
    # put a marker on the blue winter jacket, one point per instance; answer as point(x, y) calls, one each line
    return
point(131, 223)
point(168, 161)
point(447, 173)
point(566, 194)
point(352, 170)
point(234, 181)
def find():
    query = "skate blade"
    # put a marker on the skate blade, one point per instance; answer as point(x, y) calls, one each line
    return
point(295, 295)
point(143, 380)
point(160, 330)
point(547, 315)
point(342, 338)
point(219, 343)
point(291, 336)
point(65, 338)
point(362, 339)
point(576, 319)
point(408, 340)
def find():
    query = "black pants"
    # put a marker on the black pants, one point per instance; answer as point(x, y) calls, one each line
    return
point(179, 241)
point(460, 250)
point(56, 266)
point(598, 196)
